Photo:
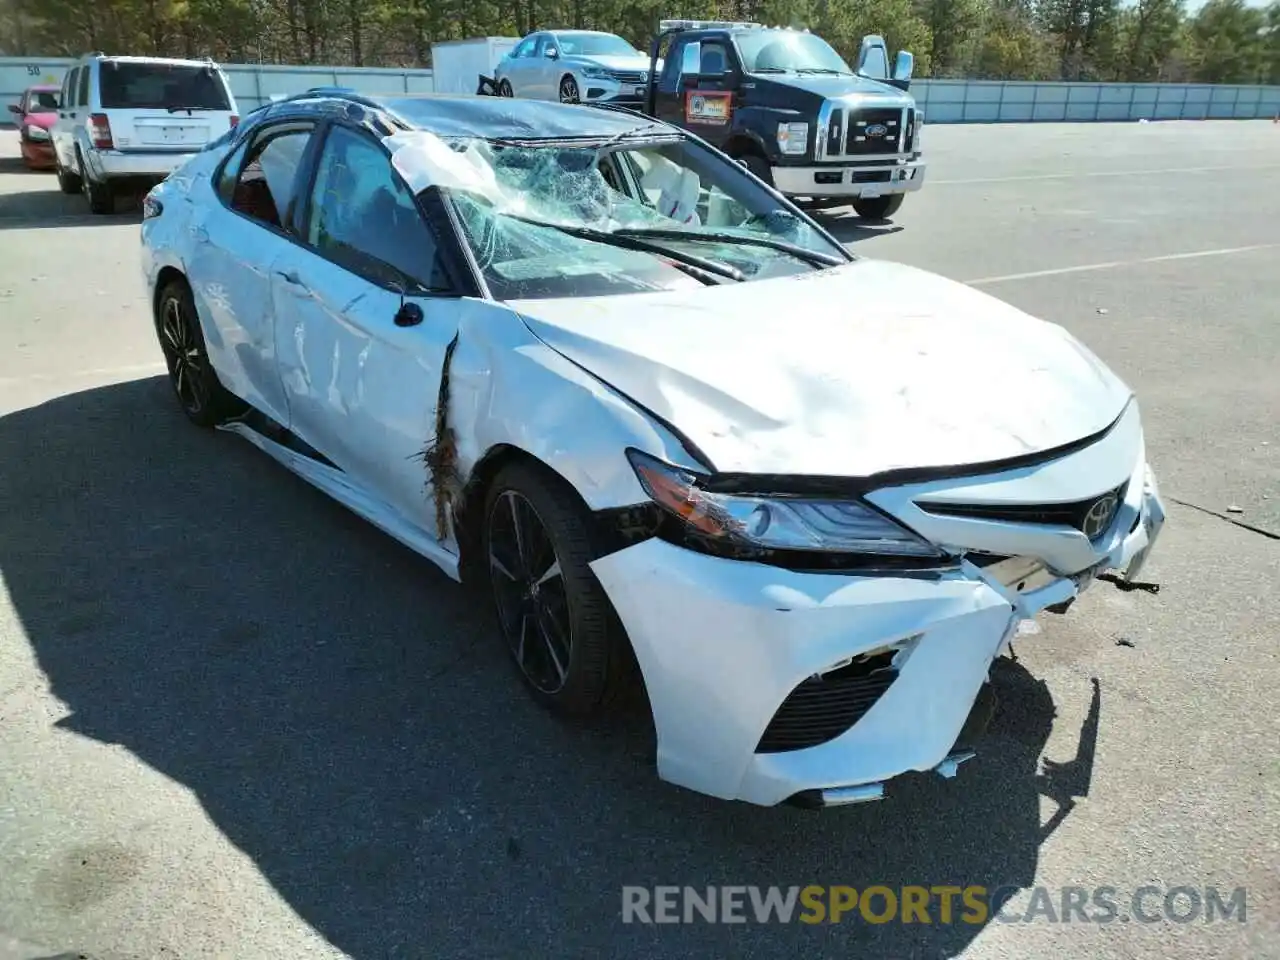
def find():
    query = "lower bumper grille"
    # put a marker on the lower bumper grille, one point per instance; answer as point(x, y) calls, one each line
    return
point(822, 708)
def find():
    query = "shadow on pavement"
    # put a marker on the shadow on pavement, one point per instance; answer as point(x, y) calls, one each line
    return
point(847, 227)
point(34, 208)
point(347, 718)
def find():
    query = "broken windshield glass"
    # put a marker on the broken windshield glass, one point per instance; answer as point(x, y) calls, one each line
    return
point(629, 209)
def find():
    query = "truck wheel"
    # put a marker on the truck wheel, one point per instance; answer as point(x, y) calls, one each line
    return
point(757, 165)
point(878, 208)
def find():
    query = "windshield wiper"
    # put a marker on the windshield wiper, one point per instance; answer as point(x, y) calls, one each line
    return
point(189, 109)
point(811, 257)
point(769, 70)
point(625, 242)
point(822, 70)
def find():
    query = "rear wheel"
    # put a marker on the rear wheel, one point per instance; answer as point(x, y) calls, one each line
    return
point(878, 208)
point(203, 398)
point(569, 89)
point(67, 182)
point(558, 623)
point(101, 199)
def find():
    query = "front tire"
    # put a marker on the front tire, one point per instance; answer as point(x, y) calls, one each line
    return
point(878, 208)
point(559, 625)
point(505, 89)
point(757, 165)
point(569, 92)
point(201, 395)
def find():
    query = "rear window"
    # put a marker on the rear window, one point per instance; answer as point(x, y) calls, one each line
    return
point(160, 86)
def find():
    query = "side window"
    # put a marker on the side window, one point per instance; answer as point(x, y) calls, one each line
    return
point(365, 219)
point(264, 186)
point(524, 48)
point(231, 174)
point(713, 60)
point(69, 83)
point(82, 95)
point(669, 81)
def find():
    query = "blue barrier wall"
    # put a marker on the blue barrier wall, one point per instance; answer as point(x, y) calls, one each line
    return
point(943, 101)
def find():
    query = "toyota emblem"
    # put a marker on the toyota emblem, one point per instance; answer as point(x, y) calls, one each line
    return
point(1100, 515)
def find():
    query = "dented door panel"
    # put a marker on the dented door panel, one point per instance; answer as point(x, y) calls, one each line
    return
point(360, 389)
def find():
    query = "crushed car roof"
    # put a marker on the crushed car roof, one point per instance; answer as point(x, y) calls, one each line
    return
point(497, 118)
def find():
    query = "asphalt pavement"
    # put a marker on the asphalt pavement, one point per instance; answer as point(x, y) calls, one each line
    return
point(237, 721)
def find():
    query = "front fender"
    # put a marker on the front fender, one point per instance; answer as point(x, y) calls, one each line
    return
point(760, 125)
point(508, 388)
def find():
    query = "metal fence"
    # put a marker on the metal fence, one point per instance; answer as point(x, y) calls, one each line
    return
point(943, 101)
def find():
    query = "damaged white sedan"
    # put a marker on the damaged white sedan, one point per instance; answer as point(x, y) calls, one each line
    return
point(670, 421)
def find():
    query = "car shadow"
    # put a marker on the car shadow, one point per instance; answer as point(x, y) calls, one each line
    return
point(348, 719)
point(847, 227)
point(31, 209)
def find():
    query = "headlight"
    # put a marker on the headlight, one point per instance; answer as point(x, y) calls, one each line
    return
point(775, 522)
point(793, 138)
point(600, 73)
point(36, 133)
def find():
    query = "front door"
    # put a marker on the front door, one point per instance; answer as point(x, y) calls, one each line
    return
point(361, 366)
point(696, 89)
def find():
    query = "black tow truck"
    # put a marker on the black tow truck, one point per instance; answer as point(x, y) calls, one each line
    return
point(788, 107)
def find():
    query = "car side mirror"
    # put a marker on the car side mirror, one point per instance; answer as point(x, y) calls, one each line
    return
point(552, 53)
point(903, 64)
point(15, 108)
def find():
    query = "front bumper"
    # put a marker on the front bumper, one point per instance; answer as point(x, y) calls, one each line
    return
point(37, 154)
point(116, 164)
point(609, 90)
point(856, 183)
point(723, 643)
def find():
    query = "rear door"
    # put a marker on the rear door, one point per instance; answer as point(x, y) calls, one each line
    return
point(163, 105)
point(237, 238)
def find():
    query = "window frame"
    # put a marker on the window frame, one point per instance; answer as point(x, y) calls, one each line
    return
point(84, 86)
point(455, 265)
point(266, 132)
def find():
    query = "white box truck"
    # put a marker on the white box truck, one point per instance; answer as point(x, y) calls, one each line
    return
point(457, 65)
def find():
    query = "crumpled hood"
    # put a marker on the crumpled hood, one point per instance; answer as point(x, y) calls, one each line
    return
point(850, 371)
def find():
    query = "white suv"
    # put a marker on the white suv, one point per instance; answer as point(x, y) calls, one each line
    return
point(126, 123)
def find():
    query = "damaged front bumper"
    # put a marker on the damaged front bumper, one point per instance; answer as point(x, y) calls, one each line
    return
point(769, 685)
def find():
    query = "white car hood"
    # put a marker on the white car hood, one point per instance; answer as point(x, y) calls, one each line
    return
point(851, 371)
point(613, 61)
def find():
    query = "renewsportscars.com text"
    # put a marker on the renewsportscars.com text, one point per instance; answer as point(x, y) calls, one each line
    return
point(930, 904)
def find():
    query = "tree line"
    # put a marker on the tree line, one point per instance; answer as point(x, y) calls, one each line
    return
point(1224, 41)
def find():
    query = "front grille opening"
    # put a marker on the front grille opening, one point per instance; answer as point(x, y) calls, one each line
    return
point(828, 176)
point(863, 122)
point(872, 176)
point(1074, 514)
point(823, 707)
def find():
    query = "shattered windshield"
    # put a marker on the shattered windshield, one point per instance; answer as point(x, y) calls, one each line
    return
point(638, 213)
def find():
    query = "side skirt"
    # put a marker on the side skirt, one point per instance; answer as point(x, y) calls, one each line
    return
point(350, 494)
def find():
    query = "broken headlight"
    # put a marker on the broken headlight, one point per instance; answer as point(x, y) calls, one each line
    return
point(775, 522)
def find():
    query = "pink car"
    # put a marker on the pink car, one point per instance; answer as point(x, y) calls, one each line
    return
point(36, 113)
